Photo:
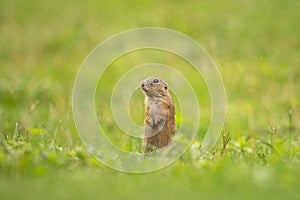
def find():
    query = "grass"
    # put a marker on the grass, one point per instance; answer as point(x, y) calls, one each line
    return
point(255, 44)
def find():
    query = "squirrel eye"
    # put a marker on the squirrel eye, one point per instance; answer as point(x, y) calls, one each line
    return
point(155, 81)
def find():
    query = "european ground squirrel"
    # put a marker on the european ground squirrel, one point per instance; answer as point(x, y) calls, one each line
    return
point(160, 124)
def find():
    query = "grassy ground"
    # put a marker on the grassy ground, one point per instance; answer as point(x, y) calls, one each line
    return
point(256, 45)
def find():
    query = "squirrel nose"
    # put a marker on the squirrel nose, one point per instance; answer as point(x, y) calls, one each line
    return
point(142, 85)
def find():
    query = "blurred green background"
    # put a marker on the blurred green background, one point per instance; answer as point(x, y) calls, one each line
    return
point(255, 44)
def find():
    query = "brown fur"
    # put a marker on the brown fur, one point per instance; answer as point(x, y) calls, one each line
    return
point(160, 124)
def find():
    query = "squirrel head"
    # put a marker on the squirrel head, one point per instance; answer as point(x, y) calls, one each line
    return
point(154, 87)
